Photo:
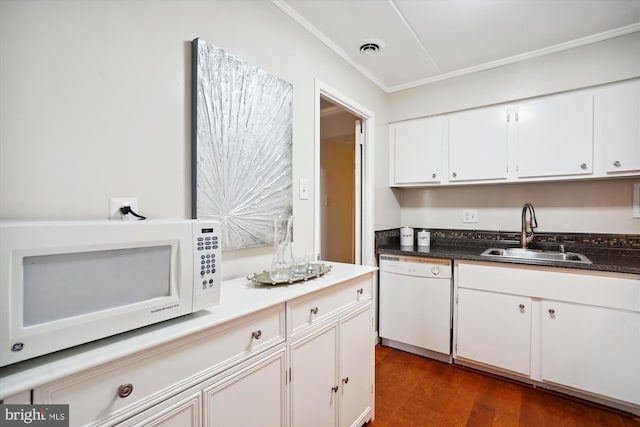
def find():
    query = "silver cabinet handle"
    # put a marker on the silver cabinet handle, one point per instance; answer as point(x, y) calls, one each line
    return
point(617, 164)
point(435, 270)
point(125, 390)
point(552, 311)
point(521, 306)
point(361, 291)
point(433, 175)
point(314, 310)
point(454, 174)
point(345, 380)
point(334, 389)
point(256, 334)
point(583, 166)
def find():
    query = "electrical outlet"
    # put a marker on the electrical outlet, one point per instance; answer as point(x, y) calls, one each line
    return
point(115, 203)
point(636, 200)
point(469, 215)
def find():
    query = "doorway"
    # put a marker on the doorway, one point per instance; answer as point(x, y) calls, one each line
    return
point(339, 162)
point(344, 221)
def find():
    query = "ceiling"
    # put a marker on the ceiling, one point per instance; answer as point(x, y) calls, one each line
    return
point(423, 41)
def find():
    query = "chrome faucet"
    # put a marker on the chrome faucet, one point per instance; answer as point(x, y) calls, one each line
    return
point(527, 238)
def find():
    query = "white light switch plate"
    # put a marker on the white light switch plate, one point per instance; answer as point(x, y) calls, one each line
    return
point(636, 200)
point(304, 189)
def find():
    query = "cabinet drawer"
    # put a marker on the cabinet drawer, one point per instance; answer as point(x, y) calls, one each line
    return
point(94, 395)
point(318, 306)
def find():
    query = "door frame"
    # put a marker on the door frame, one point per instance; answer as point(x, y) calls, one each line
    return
point(367, 183)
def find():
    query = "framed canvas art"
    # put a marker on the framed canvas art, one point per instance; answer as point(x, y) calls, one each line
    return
point(241, 146)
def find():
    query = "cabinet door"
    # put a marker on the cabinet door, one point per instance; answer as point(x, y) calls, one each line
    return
point(494, 329)
point(478, 145)
point(592, 348)
point(617, 127)
point(356, 375)
point(185, 409)
point(314, 379)
point(253, 396)
point(417, 150)
point(555, 136)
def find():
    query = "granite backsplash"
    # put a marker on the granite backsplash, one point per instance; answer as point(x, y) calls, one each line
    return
point(587, 243)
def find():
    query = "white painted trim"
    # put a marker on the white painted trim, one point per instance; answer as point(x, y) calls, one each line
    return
point(368, 123)
point(595, 38)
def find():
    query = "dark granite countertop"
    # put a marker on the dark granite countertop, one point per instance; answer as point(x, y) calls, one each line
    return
point(612, 263)
point(612, 253)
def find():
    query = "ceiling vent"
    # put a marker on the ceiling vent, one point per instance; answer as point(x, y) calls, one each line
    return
point(371, 47)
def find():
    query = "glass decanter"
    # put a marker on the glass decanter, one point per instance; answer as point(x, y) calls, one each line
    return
point(282, 251)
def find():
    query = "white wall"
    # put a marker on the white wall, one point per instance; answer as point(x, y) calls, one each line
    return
point(580, 207)
point(95, 103)
point(588, 206)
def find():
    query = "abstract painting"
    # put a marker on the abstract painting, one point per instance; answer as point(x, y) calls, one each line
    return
point(241, 146)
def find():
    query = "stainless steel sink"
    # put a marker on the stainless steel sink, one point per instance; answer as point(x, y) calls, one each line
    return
point(536, 255)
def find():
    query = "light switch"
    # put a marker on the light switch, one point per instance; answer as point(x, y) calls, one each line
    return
point(304, 189)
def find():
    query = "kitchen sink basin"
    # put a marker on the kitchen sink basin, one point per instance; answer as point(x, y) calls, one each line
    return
point(536, 255)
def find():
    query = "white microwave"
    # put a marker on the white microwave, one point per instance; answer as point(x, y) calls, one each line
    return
point(65, 283)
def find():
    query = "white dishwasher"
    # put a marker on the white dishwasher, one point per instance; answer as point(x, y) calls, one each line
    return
point(415, 305)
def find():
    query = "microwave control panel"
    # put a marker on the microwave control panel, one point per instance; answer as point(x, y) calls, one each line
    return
point(207, 261)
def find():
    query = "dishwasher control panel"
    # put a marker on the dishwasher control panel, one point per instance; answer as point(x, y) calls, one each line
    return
point(416, 266)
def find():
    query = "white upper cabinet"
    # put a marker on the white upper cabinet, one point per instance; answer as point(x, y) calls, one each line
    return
point(416, 151)
point(617, 128)
point(591, 133)
point(555, 136)
point(478, 145)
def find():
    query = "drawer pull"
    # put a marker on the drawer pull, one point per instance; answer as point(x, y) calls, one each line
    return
point(552, 312)
point(521, 307)
point(314, 310)
point(617, 163)
point(361, 291)
point(345, 380)
point(583, 166)
point(334, 389)
point(256, 334)
point(125, 390)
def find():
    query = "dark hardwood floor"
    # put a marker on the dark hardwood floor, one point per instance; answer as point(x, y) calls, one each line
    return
point(415, 391)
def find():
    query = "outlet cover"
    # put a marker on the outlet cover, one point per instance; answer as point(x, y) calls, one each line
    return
point(469, 215)
point(116, 202)
point(636, 200)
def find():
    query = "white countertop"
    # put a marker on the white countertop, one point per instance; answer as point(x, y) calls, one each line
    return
point(238, 298)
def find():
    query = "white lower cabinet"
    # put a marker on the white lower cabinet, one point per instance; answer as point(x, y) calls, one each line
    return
point(331, 373)
point(570, 330)
point(495, 329)
point(112, 392)
point(253, 396)
point(592, 348)
point(182, 410)
point(305, 361)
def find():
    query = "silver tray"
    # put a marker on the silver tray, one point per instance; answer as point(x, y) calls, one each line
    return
point(265, 279)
